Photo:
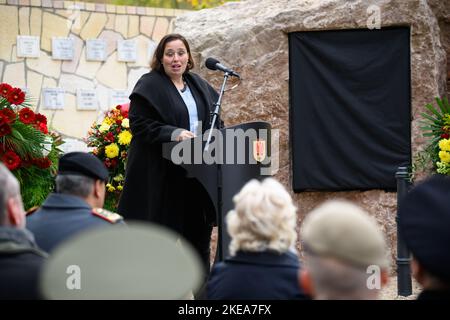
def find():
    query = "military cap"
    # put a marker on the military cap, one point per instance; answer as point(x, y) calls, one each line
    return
point(84, 164)
point(424, 225)
point(341, 230)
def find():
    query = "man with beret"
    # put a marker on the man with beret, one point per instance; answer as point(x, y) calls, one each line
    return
point(345, 253)
point(424, 225)
point(76, 205)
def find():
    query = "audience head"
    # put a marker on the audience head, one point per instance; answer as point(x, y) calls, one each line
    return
point(264, 218)
point(345, 253)
point(11, 206)
point(424, 224)
point(84, 175)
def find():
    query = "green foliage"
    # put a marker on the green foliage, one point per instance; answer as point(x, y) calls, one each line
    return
point(436, 128)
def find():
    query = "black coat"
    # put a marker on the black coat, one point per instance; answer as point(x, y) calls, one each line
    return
point(20, 265)
point(256, 276)
point(155, 189)
point(61, 217)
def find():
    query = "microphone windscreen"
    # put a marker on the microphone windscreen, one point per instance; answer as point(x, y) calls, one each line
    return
point(210, 63)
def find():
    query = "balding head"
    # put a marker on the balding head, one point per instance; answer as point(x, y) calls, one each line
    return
point(11, 207)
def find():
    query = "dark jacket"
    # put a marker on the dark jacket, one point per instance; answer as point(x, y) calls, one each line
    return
point(61, 217)
point(427, 294)
point(256, 276)
point(155, 189)
point(20, 265)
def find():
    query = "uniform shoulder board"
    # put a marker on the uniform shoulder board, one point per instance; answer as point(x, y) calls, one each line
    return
point(109, 216)
point(32, 210)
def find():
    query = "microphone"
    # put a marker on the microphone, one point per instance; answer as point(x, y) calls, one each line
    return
point(214, 64)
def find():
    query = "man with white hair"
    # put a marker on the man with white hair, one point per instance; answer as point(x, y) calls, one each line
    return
point(263, 262)
point(20, 258)
point(345, 253)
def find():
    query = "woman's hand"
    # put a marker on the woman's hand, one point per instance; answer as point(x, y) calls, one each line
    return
point(184, 135)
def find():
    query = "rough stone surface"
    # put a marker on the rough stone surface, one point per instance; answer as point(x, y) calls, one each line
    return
point(111, 38)
point(142, 44)
point(122, 24)
point(160, 29)
point(147, 24)
point(24, 21)
point(71, 83)
point(45, 65)
point(251, 36)
point(86, 68)
point(15, 74)
point(35, 22)
point(9, 18)
point(133, 26)
point(93, 26)
point(113, 73)
point(71, 66)
point(52, 26)
point(34, 85)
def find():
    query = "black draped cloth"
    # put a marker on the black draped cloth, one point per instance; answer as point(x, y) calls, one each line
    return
point(350, 108)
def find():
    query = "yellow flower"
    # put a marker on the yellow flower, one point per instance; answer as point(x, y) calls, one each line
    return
point(125, 137)
point(108, 120)
point(110, 187)
point(104, 127)
point(444, 156)
point(126, 123)
point(119, 177)
point(119, 188)
point(444, 144)
point(112, 150)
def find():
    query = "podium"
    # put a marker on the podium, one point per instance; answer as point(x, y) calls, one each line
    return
point(236, 155)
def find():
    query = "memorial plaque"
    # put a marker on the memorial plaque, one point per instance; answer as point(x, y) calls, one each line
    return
point(53, 98)
point(28, 47)
point(118, 97)
point(62, 48)
point(87, 99)
point(126, 50)
point(96, 50)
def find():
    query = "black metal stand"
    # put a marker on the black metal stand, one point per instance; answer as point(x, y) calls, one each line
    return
point(216, 118)
point(404, 285)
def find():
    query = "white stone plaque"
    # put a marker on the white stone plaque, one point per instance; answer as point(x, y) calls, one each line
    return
point(118, 97)
point(95, 50)
point(62, 48)
point(87, 99)
point(28, 47)
point(126, 50)
point(53, 98)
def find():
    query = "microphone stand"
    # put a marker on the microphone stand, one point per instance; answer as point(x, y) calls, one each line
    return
point(216, 118)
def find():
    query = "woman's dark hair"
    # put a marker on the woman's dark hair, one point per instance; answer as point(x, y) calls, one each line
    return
point(159, 52)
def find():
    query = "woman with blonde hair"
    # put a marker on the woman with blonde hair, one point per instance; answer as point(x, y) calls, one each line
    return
point(263, 262)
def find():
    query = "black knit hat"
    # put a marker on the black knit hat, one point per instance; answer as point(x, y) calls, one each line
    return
point(424, 224)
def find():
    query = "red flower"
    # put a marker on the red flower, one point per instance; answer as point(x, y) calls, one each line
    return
point(5, 89)
point(42, 163)
point(109, 137)
point(42, 128)
point(27, 116)
point(40, 118)
point(125, 114)
point(114, 163)
point(16, 96)
point(11, 160)
point(7, 116)
point(445, 136)
point(118, 107)
point(118, 122)
point(5, 129)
